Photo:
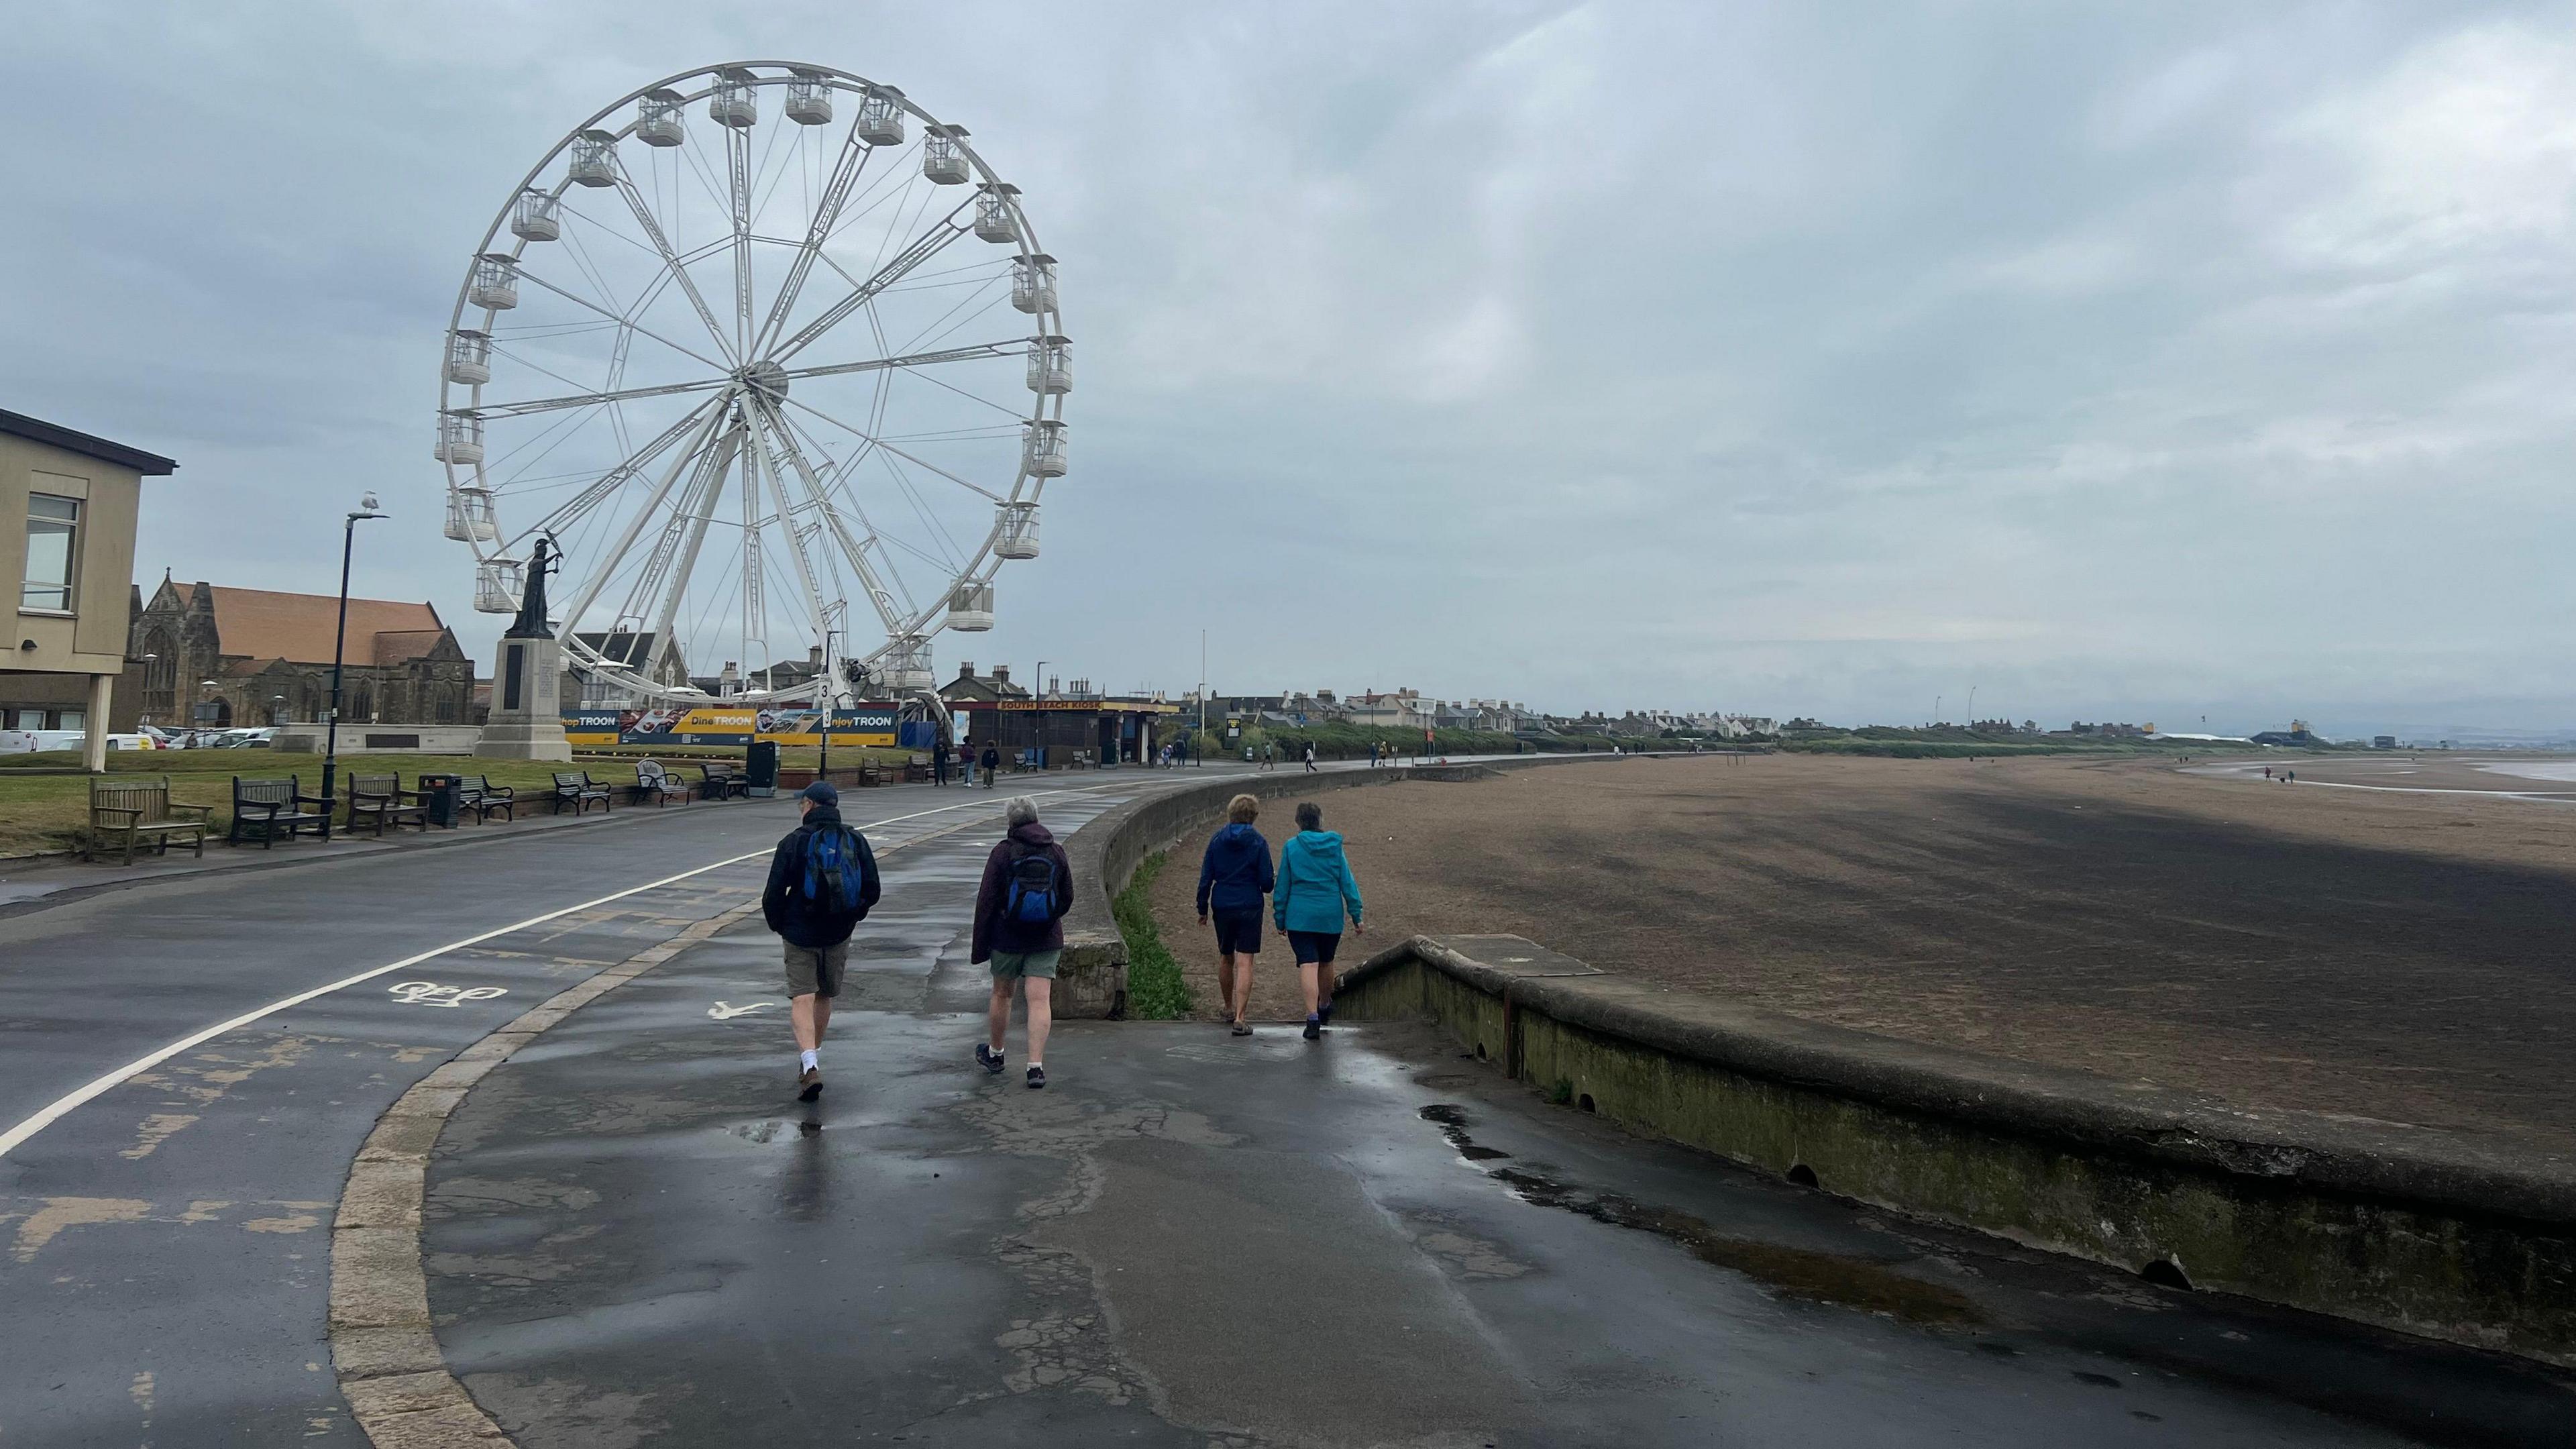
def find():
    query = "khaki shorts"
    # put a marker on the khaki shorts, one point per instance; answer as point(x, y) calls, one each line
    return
point(1038, 965)
point(816, 970)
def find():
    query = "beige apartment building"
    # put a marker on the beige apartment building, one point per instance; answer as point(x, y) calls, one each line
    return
point(67, 508)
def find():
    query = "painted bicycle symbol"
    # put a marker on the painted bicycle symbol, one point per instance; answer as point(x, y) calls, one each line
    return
point(430, 993)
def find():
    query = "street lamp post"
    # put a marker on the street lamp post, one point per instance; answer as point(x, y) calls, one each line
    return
point(828, 695)
point(339, 644)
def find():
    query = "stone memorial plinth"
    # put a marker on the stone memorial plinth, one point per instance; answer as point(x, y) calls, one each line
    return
point(526, 722)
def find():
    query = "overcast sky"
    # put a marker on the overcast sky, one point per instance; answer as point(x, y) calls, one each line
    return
point(2139, 363)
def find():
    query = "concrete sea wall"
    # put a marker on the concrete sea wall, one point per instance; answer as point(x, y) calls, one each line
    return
point(2405, 1228)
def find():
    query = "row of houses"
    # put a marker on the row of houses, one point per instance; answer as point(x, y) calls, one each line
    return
point(1410, 710)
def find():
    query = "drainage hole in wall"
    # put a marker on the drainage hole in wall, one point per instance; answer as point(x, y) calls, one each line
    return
point(1801, 1174)
point(2166, 1273)
point(1584, 1101)
point(1480, 1051)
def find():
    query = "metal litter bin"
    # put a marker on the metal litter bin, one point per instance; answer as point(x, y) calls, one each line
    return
point(439, 797)
point(760, 767)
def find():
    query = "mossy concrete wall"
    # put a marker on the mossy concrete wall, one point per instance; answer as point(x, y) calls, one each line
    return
point(2411, 1232)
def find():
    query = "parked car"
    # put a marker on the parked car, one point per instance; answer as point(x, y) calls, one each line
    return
point(245, 739)
point(17, 742)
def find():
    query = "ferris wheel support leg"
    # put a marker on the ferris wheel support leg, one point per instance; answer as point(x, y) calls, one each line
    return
point(589, 594)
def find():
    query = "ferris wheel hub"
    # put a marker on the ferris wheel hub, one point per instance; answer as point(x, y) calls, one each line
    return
point(766, 378)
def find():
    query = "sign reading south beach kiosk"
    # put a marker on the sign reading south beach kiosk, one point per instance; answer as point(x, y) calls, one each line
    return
point(720, 726)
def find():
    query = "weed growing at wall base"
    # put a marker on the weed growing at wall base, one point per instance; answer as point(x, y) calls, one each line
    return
point(1155, 990)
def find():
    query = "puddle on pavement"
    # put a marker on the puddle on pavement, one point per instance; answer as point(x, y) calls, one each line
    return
point(1791, 1272)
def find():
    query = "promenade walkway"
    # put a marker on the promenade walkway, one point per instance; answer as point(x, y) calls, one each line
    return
point(630, 1234)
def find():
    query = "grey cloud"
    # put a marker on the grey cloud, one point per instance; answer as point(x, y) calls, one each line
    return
point(2139, 363)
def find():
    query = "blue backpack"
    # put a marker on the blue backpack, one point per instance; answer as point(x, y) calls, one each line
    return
point(1031, 899)
point(832, 876)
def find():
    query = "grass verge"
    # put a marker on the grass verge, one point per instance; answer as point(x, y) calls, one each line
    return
point(1155, 990)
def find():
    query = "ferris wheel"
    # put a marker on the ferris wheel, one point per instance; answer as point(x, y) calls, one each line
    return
point(775, 361)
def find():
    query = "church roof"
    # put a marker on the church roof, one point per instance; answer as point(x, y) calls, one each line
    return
point(299, 628)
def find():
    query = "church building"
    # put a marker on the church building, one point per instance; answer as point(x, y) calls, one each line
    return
point(207, 656)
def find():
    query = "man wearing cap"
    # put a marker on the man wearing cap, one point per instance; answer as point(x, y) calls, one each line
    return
point(822, 879)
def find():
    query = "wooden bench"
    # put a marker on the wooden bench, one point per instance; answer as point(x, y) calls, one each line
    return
point(265, 807)
point(656, 784)
point(142, 812)
point(380, 800)
point(722, 782)
point(485, 799)
point(576, 789)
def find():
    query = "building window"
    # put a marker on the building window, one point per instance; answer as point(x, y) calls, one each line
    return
point(51, 524)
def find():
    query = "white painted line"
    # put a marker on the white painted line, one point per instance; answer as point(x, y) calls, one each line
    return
point(53, 1112)
point(727, 1011)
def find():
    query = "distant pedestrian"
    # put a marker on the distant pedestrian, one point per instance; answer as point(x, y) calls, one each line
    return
point(1019, 927)
point(1310, 757)
point(1315, 886)
point(992, 763)
point(1269, 752)
point(822, 879)
point(1234, 875)
point(2267, 772)
point(939, 765)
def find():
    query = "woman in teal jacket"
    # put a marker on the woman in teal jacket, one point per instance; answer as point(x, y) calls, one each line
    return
point(1314, 884)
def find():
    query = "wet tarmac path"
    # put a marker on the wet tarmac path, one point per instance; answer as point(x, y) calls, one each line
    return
point(163, 1244)
point(633, 1235)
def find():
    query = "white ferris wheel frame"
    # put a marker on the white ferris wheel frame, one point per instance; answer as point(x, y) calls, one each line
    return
point(908, 633)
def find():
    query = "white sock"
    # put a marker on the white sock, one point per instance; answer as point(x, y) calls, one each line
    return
point(809, 1060)
point(1036, 1065)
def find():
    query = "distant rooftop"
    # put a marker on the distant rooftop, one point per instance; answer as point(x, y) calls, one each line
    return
point(151, 465)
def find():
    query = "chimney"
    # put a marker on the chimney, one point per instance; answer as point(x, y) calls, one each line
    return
point(965, 669)
point(814, 658)
point(1001, 674)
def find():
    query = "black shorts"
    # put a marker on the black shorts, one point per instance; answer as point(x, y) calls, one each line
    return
point(1314, 948)
point(1238, 930)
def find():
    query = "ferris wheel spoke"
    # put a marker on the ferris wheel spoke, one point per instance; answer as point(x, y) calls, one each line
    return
point(643, 515)
point(629, 323)
point(853, 159)
point(795, 537)
point(852, 549)
point(678, 269)
point(738, 203)
point(882, 445)
point(490, 411)
point(1016, 347)
point(929, 244)
point(690, 528)
point(571, 509)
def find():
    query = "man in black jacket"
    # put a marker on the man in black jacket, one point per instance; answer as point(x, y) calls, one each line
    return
point(822, 880)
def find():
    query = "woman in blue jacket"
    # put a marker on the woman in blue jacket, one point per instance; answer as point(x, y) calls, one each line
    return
point(1314, 887)
point(1233, 877)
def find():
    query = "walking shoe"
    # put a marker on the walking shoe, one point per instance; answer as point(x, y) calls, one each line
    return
point(1037, 1078)
point(1324, 1014)
point(809, 1084)
point(1314, 1028)
point(989, 1059)
point(1241, 1030)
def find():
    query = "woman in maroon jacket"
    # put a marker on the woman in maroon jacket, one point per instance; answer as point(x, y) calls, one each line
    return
point(1019, 927)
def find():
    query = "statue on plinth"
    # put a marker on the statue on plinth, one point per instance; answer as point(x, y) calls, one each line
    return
point(532, 622)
